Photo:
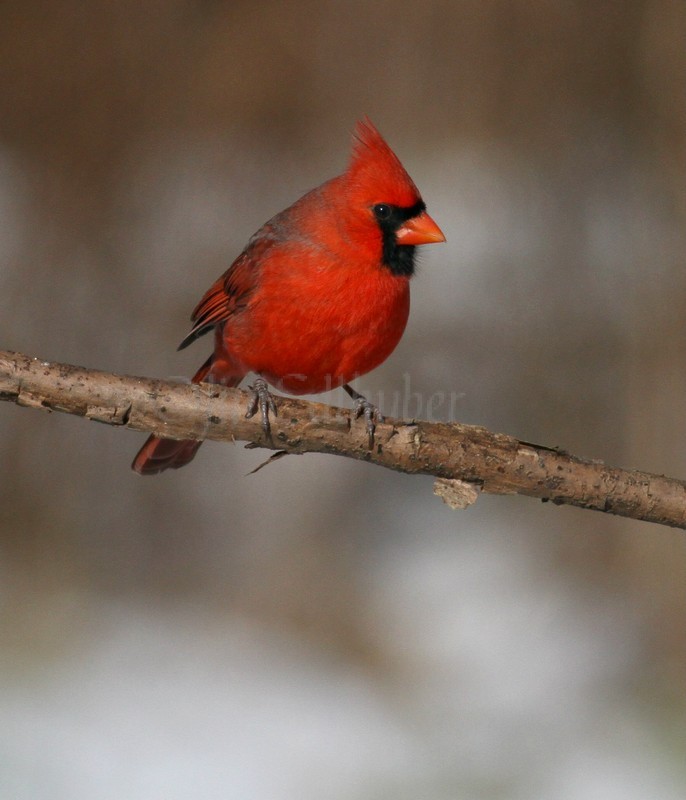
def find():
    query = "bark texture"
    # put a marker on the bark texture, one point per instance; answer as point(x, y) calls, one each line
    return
point(471, 456)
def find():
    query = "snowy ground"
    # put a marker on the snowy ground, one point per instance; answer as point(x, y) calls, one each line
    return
point(507, 688)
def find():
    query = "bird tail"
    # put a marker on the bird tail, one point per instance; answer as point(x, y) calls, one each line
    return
point(158, 454)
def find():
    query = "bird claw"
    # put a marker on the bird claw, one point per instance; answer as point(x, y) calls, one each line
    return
point(263, 400)
point(363, 408)
point(371, 414)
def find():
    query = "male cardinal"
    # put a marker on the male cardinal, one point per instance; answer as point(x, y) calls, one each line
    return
point(319, 296)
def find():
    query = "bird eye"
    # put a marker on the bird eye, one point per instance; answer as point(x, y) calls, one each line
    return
point(382, 211)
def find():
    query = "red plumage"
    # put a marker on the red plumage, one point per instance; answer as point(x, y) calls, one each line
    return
point(320, 295)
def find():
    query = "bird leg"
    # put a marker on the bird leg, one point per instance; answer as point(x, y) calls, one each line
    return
point(363, 408)
point(262, 398)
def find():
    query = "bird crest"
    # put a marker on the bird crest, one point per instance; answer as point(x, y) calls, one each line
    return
point(375, 171)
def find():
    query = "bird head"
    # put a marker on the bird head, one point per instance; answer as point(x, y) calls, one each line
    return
point(385, 197)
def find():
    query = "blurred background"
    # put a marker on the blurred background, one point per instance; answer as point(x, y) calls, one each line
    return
point(325, 628)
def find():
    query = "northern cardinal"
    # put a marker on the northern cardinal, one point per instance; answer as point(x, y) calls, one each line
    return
point(319, 296)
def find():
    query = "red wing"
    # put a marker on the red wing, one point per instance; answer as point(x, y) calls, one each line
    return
point(228, 293)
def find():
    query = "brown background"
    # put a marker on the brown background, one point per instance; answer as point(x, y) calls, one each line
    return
point(140, 146)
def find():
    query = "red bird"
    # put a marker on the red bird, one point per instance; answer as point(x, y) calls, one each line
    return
point(319, 296)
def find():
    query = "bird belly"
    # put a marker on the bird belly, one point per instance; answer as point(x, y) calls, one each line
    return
point(309, 344)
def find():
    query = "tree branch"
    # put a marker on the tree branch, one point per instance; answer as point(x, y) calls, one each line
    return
point(463, 457)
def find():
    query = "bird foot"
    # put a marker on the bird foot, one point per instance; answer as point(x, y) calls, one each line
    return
point(363, 408)
point(263, 400)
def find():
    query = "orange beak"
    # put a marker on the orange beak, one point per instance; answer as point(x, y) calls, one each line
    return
point(419, 230)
